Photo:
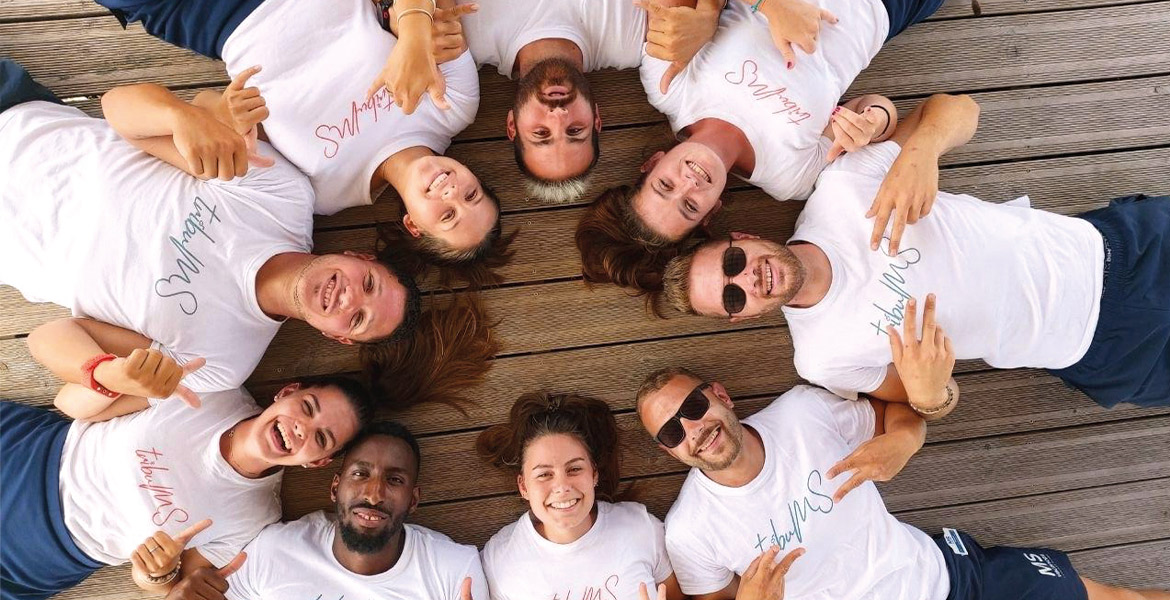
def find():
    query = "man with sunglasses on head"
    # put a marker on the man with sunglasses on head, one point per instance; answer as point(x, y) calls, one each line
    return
point(794, 481)
point(1084, 297)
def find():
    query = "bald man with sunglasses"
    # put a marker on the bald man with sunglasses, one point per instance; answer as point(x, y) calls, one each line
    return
point(793, 482)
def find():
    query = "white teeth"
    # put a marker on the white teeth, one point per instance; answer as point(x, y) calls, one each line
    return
point(283, 436)
point(700, 170)
point(438, 182)
point(710, 440)
point(327, 299)
point(565, 504)
point(771, 277)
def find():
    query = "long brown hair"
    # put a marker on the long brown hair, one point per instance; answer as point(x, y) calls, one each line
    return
point(448, 352)
point(538, 414)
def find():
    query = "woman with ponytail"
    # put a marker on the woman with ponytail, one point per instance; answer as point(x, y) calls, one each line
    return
point(576, 539)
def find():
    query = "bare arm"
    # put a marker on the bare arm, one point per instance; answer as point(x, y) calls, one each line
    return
point(64, 345)
point(84, 404)
point(898, 435)
point(939, 124)
point(189, 137)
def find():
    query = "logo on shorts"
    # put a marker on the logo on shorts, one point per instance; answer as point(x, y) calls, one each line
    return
point(954, 541)
point(1043, 564)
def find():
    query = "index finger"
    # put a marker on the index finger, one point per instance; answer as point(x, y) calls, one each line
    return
point(242, 77)
point(460, 10)
point(896, 231)
point(194, 365)
point(786, 562)
point(186, 395)
point(854, 481)
point(928, 315)
point(881, 220)
point(234, 565)
point(910, 324)
point(845, 464)
point(189, 533)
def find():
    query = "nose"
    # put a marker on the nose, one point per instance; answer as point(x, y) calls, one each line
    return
point(747, 279)
point(692, 428)
point(373, 491)
point(451, 190)
point(298, 430)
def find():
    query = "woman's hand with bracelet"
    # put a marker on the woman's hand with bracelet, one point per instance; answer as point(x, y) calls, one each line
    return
point(793, 23)
point(156, 562)
point(411, 69)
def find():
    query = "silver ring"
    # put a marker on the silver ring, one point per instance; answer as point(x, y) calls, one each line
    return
point(151, 550)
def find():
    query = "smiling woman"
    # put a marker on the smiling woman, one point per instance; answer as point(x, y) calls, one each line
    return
point(564, 451)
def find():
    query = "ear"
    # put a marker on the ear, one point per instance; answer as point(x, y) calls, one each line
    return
point(651, 162)
point(286, 390)
point(411, 228)
point(319, 462)
point(721, 393)
point(596, 118)
point(361, 255)
point(333, 487)
point(520, 486)
point(414, 498)
point(711, 214)
point(338, 338)
point(510, 125)
point(739, 235)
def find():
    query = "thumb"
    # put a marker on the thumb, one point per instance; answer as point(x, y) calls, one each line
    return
point(671, 71)
point(254, 157)
point(465, 589)
point(189, 533)
point(234, 565)
point(895, 344)
point(786, 51)
point(461, 9)
point(828, 16)
point(835, 151)
point(438, 91)
point(186, 395)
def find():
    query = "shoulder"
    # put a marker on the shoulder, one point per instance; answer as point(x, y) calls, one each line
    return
point(502, 543)
point(280, 538)
point(795, 409)
point(444, 551)
point(627, 516)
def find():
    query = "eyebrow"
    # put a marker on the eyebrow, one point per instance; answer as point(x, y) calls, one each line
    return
point(579, 458)
point(377, 294)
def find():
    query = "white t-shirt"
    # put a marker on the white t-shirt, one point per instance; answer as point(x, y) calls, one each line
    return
point(1016, 287)
point(609, 33)
point(89, 222)
point(741, 78)
point(854, 549)
point(294, 561)
point(319, 59)
point(161, 468)
point(625, 547)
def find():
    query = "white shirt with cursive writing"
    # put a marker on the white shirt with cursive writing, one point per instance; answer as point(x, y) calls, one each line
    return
point(91, 223)
point(854, 549)
point(161, 468)
point(625, 547)
point(609, 33)
point(1016, 286)
point(295, 561)
point(741, 78)
point(318, 60)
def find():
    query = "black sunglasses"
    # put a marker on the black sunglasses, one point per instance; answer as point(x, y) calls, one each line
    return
point(734, 262)
point(672, 433)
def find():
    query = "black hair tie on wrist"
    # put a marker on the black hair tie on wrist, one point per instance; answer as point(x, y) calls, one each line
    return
point(889, 119)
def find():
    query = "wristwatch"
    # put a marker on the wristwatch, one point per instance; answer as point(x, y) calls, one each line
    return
point(384, 7)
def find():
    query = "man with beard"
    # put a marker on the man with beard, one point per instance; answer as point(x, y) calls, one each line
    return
point(779, 483)
point(1084, 297)
point(146, 255)
point(364, 550)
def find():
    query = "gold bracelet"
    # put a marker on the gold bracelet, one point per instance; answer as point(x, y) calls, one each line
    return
point(416, 10)
point(937, 409)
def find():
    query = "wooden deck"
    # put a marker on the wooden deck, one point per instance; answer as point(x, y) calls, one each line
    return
point(1076, 110)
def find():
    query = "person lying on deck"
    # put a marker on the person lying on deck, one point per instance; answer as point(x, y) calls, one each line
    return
point(744, 107)
point(304, 68)
point(196, 483)
point(364, 549)
point(1084, 297)
point(793, 482)
point(575, 537)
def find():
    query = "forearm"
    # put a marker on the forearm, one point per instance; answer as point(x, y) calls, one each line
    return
point(63, 347)
point(84, 404)
point(902, 421)
point(413, 25)
point(944, 122)
point(143, 110)
point(881, 104)
point(941, 405)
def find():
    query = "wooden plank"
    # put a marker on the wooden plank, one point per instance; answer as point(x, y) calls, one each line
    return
point(28, 10)
point(1143, 566)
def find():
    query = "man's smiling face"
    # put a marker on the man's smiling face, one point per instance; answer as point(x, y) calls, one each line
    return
point(374, 492)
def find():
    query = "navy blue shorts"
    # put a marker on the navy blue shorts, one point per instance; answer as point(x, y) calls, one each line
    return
point(38, 558)
point(199, 25)
point(17, 86)
point(1003, 573)
point(1129, 358)
point(904, 13)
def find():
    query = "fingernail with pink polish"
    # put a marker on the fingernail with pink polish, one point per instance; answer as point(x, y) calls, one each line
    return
point(790, 65)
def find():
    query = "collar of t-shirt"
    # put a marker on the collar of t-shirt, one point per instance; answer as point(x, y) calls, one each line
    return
point(596, 532)
point(758, 484)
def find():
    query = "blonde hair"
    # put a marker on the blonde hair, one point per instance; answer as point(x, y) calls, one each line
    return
point(676, 283)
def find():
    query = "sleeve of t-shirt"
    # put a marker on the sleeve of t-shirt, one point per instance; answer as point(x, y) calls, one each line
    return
point(462, 94)
point(845, 382)
point(854, 419)
point(697, 571)
point(662, 567)
point(872, 161)
point(209, 378)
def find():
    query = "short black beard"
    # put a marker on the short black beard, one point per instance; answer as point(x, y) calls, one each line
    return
point(552, 71)
point(365, 543)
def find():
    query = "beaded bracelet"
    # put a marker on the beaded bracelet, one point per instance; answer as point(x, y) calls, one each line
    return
point(757, 5)
point(937, 409)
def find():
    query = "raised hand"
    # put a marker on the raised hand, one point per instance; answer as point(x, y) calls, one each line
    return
point(148, 373)
point(159, 555)
point(925, 364)
point(210, 148)
point(207, 583)
point(676, 33)
point(795, 22)
point(246, 108)
point(447, 32)
point(852, 131)
point(907, 193)
point(764, 578)
point(411, 69)
point(644, 594)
